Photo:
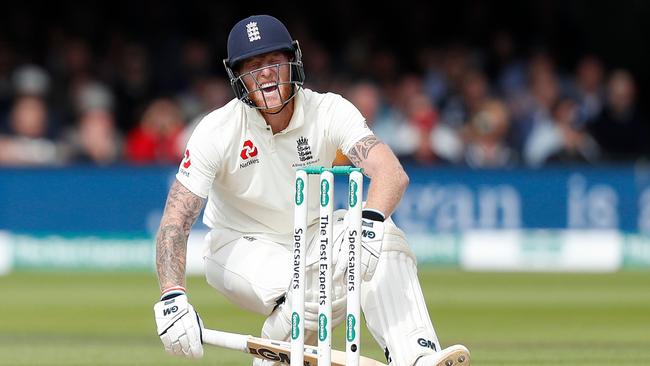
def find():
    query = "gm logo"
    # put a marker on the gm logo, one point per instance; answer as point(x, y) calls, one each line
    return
point(368, 234)
point(427, 343)
point(168, 311)
point(300, 196)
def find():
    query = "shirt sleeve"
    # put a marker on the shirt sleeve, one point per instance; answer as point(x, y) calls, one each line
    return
point(347, 125)
point(200, 163)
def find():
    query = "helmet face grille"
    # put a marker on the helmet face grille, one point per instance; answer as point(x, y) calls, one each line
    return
point(296, 79)
point(242, 92)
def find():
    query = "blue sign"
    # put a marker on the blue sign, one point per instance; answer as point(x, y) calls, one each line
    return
point(131, 199)
point(454, 199)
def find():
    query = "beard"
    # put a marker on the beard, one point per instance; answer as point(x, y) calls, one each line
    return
point(272, 98)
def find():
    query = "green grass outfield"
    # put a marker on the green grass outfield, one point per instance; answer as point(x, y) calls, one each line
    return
point(505, 319)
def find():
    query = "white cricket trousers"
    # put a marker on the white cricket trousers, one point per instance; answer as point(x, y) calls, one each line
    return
point(255, 274)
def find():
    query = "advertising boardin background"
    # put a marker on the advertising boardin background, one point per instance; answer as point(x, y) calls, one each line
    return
point(555, 219)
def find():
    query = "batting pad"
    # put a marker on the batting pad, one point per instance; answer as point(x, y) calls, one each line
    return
point(394, 307)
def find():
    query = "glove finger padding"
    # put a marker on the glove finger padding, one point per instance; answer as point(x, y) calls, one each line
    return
point(339, 259)
point(195, 338)
point(372, 236)
point(339, 311)
point(179, 327)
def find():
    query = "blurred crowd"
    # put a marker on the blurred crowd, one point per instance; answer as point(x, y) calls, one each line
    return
point(459, 105)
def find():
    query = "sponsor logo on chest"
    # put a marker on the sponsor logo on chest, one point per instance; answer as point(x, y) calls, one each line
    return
point(248, 154)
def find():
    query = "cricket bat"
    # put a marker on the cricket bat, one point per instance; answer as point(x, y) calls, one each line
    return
point(271, 350)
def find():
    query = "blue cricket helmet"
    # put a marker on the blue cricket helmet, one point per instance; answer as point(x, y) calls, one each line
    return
point(256, 35)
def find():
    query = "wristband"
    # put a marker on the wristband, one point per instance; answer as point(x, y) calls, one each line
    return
point(172, 292)
point(374, 215)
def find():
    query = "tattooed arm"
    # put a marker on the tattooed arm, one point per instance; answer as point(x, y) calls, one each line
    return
point(181, 210)
point(388, 181)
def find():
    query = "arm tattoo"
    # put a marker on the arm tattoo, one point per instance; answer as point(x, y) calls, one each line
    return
point(181, 211)
point(361, 149)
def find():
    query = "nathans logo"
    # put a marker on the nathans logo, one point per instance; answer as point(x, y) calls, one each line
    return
point(249, 150)
point(248, 154)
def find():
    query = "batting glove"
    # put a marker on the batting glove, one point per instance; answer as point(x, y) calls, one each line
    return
point(179, 326)
point(372, 236)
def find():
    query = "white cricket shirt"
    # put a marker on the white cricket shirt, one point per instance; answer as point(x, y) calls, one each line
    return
point(247, 173)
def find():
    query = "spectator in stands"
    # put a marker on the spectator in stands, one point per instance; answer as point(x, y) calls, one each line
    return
point(157, 137)
point(96, 140)
point(474, 91)
point(319, 64)
point(196, 62)
point(433, 77)
point(457, 59)
point(423, 118)
point(111, 76)
point(621, 129)
point(71, 62)
point(88, 94)
point(460, 109)
point(535, 107)
point(94, 137)
point(28, 141)
point(134, 86)
point(506, 68)
point(589, 88)
point(387, 122)
point(563, 141)
point(486, 145)
point(31, 79)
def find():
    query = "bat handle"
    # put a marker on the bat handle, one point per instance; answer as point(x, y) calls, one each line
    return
point(226, 340)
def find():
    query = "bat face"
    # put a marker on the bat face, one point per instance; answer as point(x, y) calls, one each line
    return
point(279, 351)
point(276, 351)
point(271, 355)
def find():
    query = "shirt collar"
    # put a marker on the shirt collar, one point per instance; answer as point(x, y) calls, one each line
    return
point(298, 117)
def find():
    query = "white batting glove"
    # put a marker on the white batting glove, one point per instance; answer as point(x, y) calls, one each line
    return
point(179, 327)
point(372, 236)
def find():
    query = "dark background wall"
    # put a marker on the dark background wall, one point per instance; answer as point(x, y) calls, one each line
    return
point(617, 31)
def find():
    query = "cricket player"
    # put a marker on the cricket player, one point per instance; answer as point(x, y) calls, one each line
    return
point(241, 159)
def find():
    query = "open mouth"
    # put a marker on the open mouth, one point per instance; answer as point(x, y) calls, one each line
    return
point(269, 88)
